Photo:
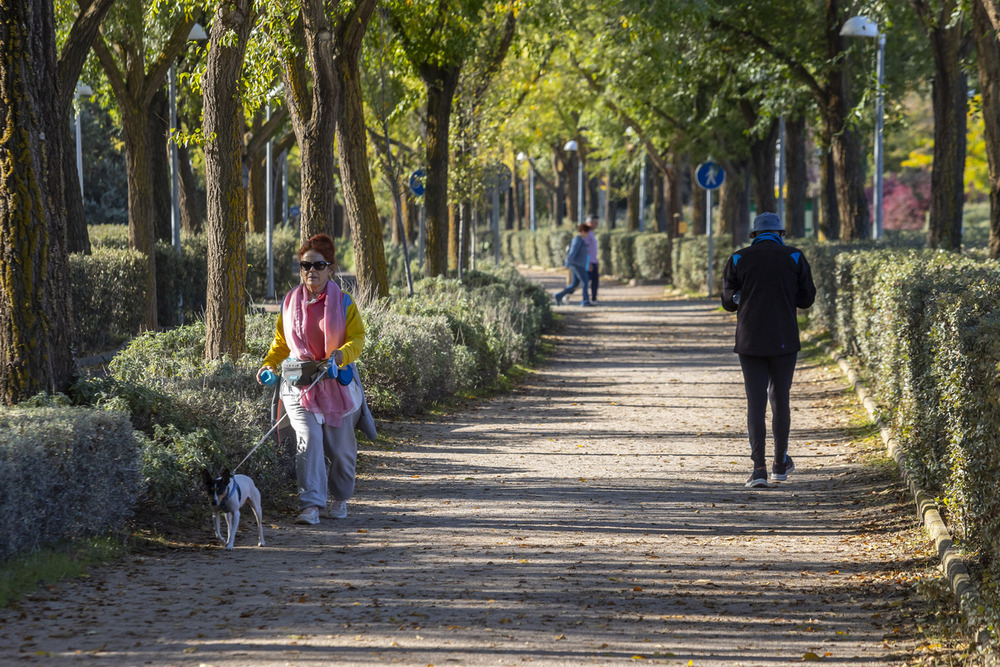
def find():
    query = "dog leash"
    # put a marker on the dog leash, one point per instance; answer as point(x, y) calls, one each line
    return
point(319, 376)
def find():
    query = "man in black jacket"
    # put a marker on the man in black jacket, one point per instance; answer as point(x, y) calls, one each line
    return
point(765, 283)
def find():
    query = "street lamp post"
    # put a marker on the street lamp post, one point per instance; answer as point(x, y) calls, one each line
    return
point(82, 90)
point(862, 26)
point(521, 157)
point(572, 146)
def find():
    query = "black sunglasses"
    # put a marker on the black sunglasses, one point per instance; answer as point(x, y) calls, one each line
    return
point(319, 266)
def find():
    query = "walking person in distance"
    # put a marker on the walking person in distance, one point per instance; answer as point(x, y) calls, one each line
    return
point(765, 283)
point(576, 262)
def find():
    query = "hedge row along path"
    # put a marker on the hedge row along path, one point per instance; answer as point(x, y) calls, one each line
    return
point(596, 515)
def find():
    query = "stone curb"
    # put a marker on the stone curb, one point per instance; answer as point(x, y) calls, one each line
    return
point(952, 562)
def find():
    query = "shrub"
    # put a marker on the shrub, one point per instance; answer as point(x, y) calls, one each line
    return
point(107, 305)
point(652, 256)
point(65, 473)
point(690, 268)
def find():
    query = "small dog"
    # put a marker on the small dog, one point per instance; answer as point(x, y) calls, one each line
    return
point(226, 495)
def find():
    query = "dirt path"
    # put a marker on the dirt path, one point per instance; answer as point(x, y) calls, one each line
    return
point(597, 515)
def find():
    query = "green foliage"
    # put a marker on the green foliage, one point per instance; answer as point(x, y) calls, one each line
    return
point(925, 326)
point(690, 268)
point(652, 256)
point(107, 305)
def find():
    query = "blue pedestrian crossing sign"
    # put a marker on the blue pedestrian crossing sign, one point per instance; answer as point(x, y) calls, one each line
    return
point(417, 182)
point(710, 175)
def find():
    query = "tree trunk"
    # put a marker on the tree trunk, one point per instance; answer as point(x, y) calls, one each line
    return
point(159, 164)
point(633, 207)
point(734, 203)
point(192, 217)
point(592, 194)
point(559, 196)
point(360, 208)
point(661, 215)
point(988, 57)
point(440, 84)
point(829, 220)
point(453, 219)
point(256, 194)
point(35, 312)
point(225, 311)
point(949, 92)
point(762, 152)
point(74, 53)
point(141, 235)
point(674, 187)
point(572, 187)
point(411, 217)
point(697, 205)
point(798, 177)
point(77, 236)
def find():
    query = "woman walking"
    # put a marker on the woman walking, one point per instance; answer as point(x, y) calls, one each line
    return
point(319, 323)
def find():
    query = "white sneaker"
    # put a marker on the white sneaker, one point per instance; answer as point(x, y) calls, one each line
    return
point(308, 516)
point(336, 509)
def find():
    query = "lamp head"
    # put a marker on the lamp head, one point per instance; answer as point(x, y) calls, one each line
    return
point(570, 145)
point(197, 33)
point(859, 26)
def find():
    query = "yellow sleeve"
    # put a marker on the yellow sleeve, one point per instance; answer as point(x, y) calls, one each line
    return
point(354, 335)
point(279, 348)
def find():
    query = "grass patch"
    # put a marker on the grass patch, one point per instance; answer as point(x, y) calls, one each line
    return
point(24, 574)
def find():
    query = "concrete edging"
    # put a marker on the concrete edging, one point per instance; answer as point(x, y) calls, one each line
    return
point(952, 562)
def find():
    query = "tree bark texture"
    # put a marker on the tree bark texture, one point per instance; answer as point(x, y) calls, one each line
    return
point(829, 219)
point(453, 222)
point(352, 151)
point(191, 203)
point(225, 311)
point(159, 160)
point(71, 60)
point(311, 94)
point(762, 153)
point(35, 312)
point(632, 215)
point(797, 176)
point(660, 214)
point(988, 57)
point(440, 83)
point(77, 236)
point(134, 85)
point(697, 205)
point(734, 200)
point(949, 43)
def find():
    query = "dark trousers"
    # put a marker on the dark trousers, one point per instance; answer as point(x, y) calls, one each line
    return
point(594, 274)
point(768, 379)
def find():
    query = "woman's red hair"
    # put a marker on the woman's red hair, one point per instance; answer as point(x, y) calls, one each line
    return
point(322, 244)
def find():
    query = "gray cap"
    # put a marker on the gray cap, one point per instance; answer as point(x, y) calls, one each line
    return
point(767, 222)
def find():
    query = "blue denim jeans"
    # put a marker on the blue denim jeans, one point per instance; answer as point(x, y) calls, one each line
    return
point(579, 277)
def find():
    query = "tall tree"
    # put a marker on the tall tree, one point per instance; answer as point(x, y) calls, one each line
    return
point(319, 47)
point(225, 310)
point(35, 314)
point(439, 37)
point(71, 59)
point(986, 25)
point(950, 40)
point(122, 49)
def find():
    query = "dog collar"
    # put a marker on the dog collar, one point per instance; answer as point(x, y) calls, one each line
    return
point(236, 490)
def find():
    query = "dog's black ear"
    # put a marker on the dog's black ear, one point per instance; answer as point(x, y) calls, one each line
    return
point(207, 476)
point(226, 476)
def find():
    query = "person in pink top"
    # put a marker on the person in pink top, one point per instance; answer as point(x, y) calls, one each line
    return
point(319, 322)
point(592, 269)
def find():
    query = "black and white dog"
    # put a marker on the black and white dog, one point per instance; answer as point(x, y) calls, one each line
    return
point(226, 495)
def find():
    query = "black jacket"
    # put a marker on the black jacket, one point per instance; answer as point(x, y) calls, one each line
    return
point(772, 280)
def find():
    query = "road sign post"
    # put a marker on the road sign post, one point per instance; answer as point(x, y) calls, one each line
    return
point(709, 176)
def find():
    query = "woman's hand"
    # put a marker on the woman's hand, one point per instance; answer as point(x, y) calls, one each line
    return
point(262, 369)
point(338, 358)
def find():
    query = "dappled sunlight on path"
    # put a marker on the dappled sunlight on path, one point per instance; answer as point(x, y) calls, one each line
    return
point(595, 515)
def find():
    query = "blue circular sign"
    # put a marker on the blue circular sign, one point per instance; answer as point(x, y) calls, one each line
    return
point(417, 182)
point(710, 175)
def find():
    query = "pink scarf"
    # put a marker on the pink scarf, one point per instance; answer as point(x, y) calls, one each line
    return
point(328, 397)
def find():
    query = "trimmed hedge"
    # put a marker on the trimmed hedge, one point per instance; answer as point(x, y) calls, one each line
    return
point(690, 268)
point(65, 473)
point(107, 307)
point(627, 255)
point(925, 327)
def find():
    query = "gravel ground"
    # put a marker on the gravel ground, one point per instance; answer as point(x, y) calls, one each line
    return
point(595, 515)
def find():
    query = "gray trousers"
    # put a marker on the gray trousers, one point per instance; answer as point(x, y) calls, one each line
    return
point(325, 456)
